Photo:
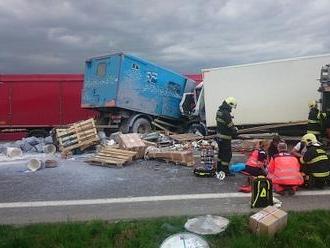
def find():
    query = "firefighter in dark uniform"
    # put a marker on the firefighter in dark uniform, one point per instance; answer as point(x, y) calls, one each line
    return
point(314, 119)
point(226, 131)
point(315, 162)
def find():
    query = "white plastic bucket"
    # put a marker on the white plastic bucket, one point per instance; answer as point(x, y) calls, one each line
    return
point(49, 149)
point(34, 164)
point(13, 152)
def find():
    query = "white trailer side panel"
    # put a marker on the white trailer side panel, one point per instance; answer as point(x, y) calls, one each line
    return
point(267, 92)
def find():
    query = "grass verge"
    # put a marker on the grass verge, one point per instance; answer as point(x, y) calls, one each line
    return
point(305, 229)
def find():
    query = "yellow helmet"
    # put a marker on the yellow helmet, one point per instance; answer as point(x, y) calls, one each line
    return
point(309, 138)
point(231, 101)
point(312, 104)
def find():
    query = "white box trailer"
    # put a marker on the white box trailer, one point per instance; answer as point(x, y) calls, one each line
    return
point(268, 92)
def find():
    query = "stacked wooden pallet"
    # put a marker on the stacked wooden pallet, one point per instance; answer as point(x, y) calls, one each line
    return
point(108, 156)
point(79, 135)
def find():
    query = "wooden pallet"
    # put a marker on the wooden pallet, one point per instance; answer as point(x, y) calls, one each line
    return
point(186, 137)
point(178, 157)
point(110, 156)
point(79, 135)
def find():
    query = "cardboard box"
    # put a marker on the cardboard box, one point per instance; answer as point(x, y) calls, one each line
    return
point(132, 142)
point(268, 221)
point(178, 157)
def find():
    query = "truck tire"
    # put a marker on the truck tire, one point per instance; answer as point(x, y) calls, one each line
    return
point(141, 125)
point(197, 128)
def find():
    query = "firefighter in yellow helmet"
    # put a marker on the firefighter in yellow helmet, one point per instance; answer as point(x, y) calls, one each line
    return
point(315, 161)
point(314, 119)
point(226, 130)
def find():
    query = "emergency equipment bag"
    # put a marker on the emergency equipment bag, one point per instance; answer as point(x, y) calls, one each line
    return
point(262, 193)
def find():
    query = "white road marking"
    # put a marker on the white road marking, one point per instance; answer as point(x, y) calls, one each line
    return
point(143, 199)
point(122, 200)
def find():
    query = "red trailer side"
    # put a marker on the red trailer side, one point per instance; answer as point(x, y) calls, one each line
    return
point(41, 101)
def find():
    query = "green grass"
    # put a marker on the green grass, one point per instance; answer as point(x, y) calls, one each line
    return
point(309, 229)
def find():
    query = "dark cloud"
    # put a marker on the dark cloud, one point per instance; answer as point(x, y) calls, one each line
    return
point(57, 36)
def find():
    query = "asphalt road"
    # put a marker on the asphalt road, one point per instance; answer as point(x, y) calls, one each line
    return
point(74, 179)
point(78, 191)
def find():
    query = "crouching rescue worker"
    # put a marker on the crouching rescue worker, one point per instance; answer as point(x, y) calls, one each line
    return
point(255, 165)
point(257, 161)
point(315, 162)
point(226, 131)
point(284, 171)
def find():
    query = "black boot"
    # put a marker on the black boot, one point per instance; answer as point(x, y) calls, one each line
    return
point(227, 172)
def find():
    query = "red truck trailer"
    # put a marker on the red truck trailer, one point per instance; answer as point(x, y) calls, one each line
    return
point(36, 103)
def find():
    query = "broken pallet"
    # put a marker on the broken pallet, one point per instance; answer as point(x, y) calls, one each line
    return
point(108, 156)
point(79, 135)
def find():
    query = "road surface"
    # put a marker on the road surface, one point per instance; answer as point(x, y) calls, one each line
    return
point(78, 191)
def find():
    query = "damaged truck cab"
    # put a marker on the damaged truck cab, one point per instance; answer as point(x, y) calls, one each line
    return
point(131, 93)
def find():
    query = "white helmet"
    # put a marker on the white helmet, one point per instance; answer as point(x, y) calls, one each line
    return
point(309, 139)
point(231, 101)
point(312, 104)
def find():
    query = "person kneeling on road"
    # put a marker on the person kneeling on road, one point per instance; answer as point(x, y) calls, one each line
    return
point(226, 131)
point(284, 171)
point(257, 161)
point(255, 165)
point(315, 162)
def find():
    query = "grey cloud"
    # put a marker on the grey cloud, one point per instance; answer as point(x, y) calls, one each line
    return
point(41, 36)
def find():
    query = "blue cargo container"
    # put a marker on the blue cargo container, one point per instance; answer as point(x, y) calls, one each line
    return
point(121, 82)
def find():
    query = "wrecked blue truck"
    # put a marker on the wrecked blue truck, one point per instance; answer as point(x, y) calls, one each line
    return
point(131, 94)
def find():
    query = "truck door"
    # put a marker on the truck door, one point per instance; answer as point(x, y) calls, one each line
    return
point(101, 82)
point(172, 99)
point(4, 103)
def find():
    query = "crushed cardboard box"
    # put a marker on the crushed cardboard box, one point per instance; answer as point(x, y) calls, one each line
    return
point(132, 142)
point(268, 221)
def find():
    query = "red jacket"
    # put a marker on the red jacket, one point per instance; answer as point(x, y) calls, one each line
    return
point(257, 159)
point(284, 169)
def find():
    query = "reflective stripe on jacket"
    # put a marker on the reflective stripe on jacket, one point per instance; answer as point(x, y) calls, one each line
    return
point(315, 161)
point(314, 125)
point(225, 126)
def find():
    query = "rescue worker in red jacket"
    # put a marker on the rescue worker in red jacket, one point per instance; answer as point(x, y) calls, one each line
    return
point(315, 162)
point(284, 171)
point(255, 165)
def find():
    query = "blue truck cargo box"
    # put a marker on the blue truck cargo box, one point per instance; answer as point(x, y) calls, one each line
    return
point(128, 82)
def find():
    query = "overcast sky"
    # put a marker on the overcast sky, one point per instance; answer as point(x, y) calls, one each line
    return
point(55, 36)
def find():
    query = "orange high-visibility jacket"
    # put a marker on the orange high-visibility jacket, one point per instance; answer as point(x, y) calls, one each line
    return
point(284, 169)
point(254, 161)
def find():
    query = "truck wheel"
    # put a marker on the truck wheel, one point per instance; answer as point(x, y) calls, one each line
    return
point(141, 125)
point(197, 128)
